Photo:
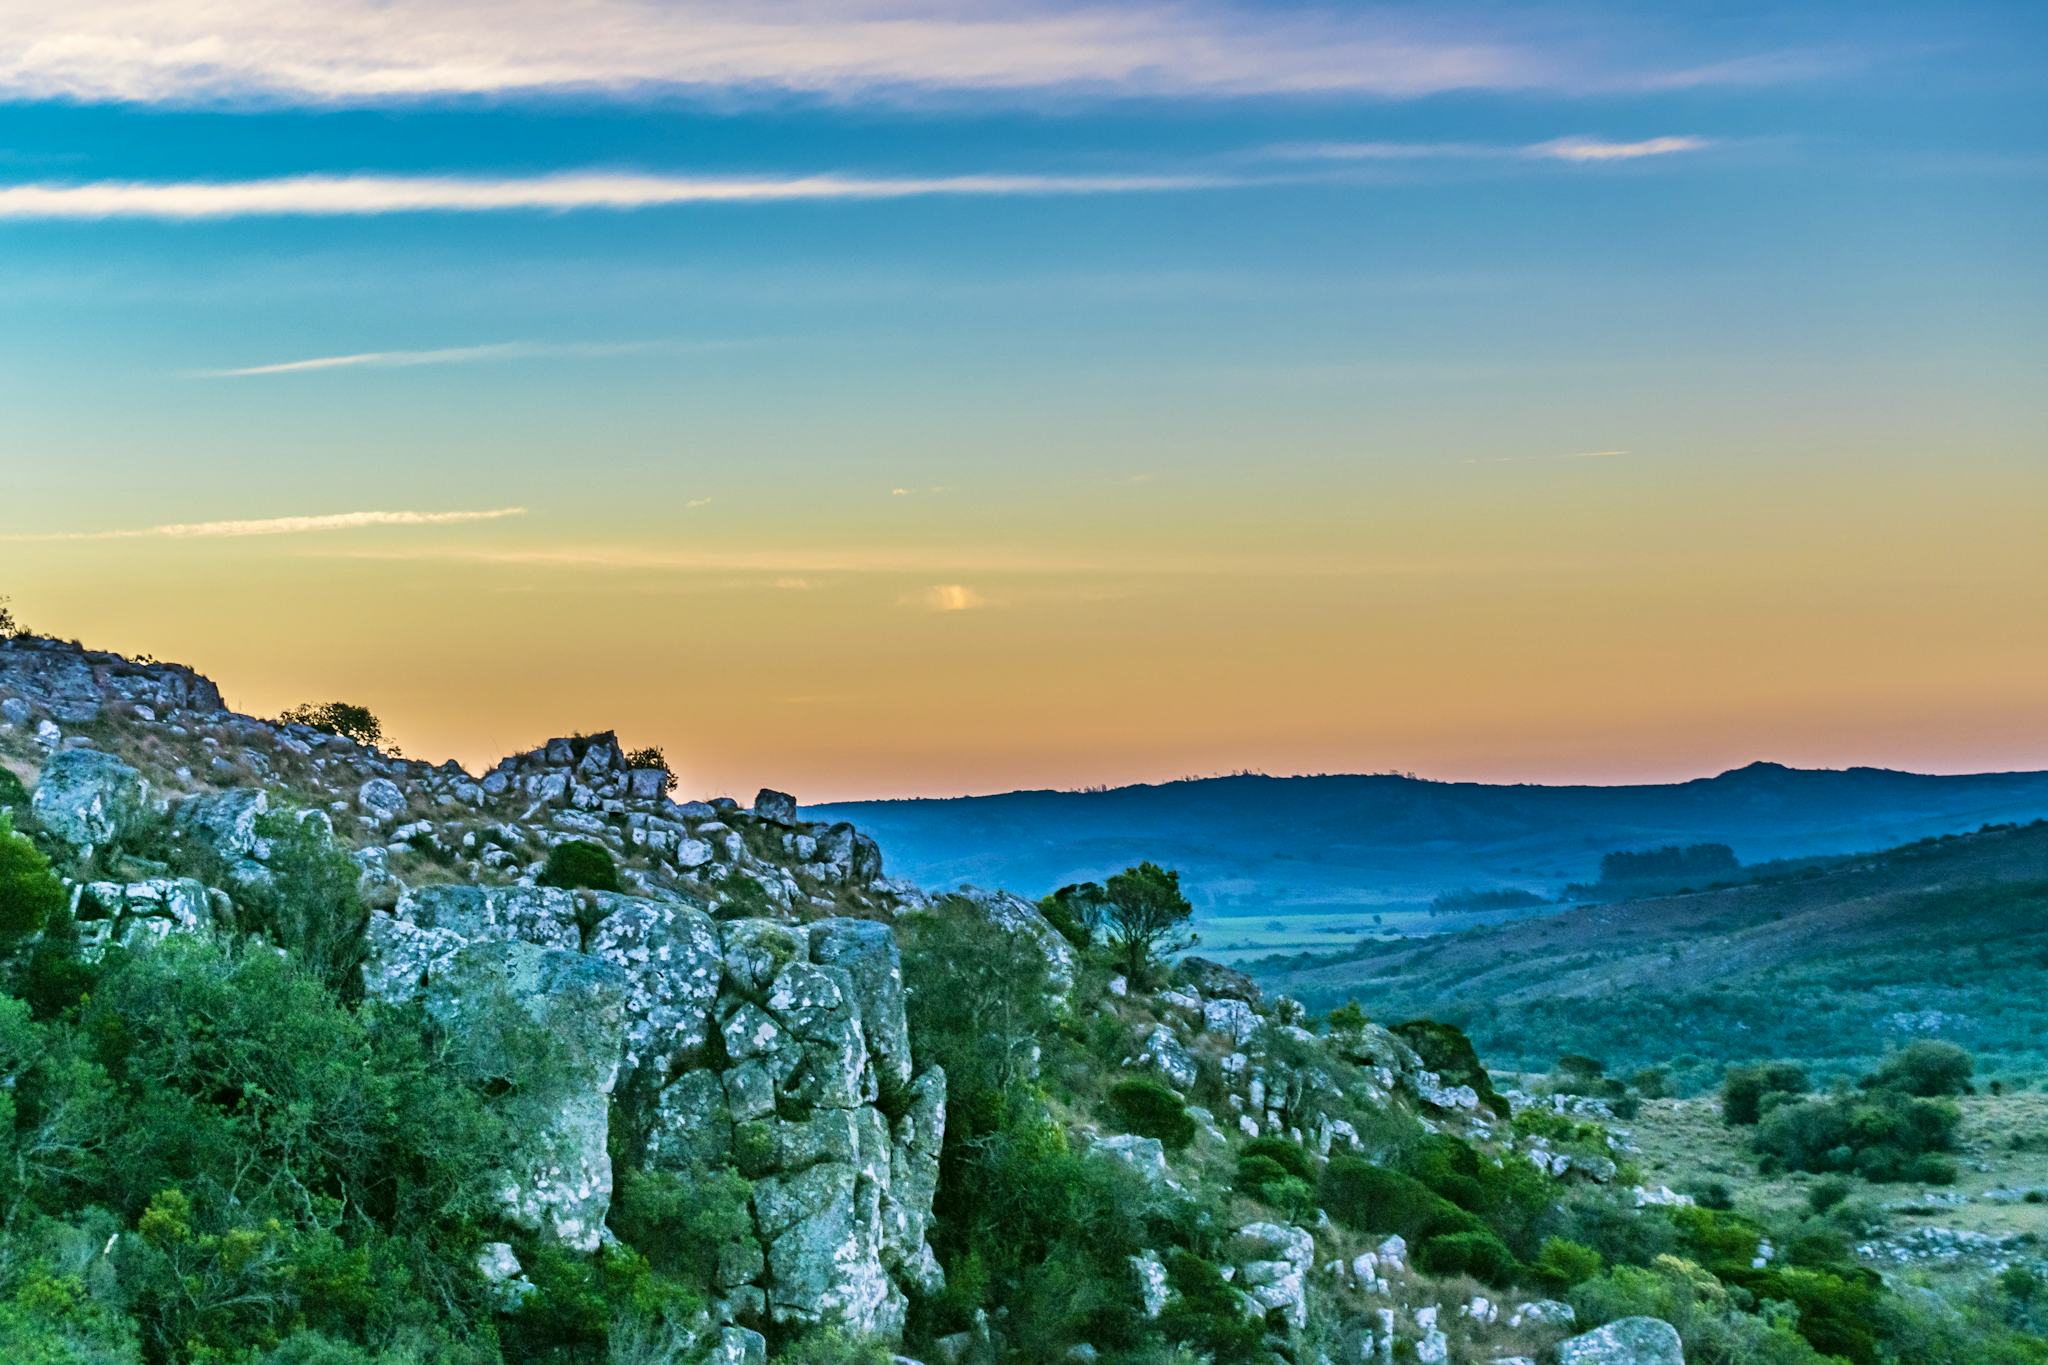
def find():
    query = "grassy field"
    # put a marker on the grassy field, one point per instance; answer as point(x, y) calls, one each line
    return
point(2004, 1154)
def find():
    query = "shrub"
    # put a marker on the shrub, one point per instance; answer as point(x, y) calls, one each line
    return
point(1826, 1194)
point(13, 796)
point(1746, 1089)
point(1152, 1109)
point(1379, 1201)
point(831, 1346)
point(309, 906)
point(1348, 1018)
point(1291, 1157)
point(29, 891)
point(1077, 911)
point(1204, 1313)
point(578, 864)
point(1928, 1069)
point(342, 718)
point(1481, 1255)
point(1562, 1263)
point(978, 1002)
point(1881, 1136)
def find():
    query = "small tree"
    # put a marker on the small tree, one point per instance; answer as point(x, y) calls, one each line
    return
point(9, 627)
point(653, 757)
point(342, 718)
point(1146, 917)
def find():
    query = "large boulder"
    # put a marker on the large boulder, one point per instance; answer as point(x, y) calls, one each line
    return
point(673, 964)
point(131, 914)
point(1011, 912)
point(226, 821)
point(548, 1024)
point(1273, 1261)
point(1628, 1341)
point(89, 798)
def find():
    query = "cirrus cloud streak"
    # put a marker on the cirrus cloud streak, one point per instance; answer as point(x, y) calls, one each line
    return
point(378, 51)
point(279, 526)
point(329, 196)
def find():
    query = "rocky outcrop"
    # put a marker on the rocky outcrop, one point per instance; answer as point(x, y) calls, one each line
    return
point(74, 685)
point(779, 1048)
point(131, 914)
point(1629, 1341)
point(88, 798)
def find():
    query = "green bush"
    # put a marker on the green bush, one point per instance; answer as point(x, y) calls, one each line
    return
point(1562, 1263)
point(1481, 1255)
point(1152, 1109)
point(578, 864)
point(1881, 1136)
point(309, 906)
point(1927, 1069)
point(1376, 1200)
point(29, 891)
point(1203, 1311)
point(13, 796)
point(1745, 1090)
point(1290, 1157)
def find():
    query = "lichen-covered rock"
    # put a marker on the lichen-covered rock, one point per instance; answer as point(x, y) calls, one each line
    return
point(558, 1180)
point(381, 799)
point(1165, 1053)
point(867, 953)
point(1629, 1341)
point(673, 964)
point(1216, 981)
point(88, 798)
point(226, 821)
point(1273, 1261)
point(777, 807)
point(131, 914)
point(915, 1139)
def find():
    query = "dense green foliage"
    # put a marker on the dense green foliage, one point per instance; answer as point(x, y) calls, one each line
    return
point(1747, 1090)
point(1148, 1108)
point(578, 864)
point(29, 891)
point(309, 905)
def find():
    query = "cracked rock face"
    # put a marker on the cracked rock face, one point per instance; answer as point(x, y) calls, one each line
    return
point(1629, 1341)
point(88, 797)
point(779, 1049)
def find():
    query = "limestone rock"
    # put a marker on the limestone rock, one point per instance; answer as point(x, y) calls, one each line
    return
point(1273, 1261)
point(777, 807)
point(88, 798)
point(226, 821)
point(381, 799)
point(1629, 1341)
point(559, 1178)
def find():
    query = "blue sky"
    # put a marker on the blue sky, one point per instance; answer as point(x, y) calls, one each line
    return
point(909, 299)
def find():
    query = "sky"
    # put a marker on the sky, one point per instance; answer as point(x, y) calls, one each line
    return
point(884, 398)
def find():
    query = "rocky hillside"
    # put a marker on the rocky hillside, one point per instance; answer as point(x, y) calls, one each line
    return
point(309, 1056)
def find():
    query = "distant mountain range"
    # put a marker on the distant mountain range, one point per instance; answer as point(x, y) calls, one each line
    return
point(1288, 845)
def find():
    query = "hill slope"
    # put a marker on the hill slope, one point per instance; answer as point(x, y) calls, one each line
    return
point(1339, 849)
point(1835, 962)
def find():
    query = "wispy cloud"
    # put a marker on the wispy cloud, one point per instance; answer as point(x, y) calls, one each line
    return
point(370, 51)
point(946, 597)
point(694, 503)
point(1574, 149)
point(279, 526)
point(444, 355)
point(1593, 149)
point(365, 195)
